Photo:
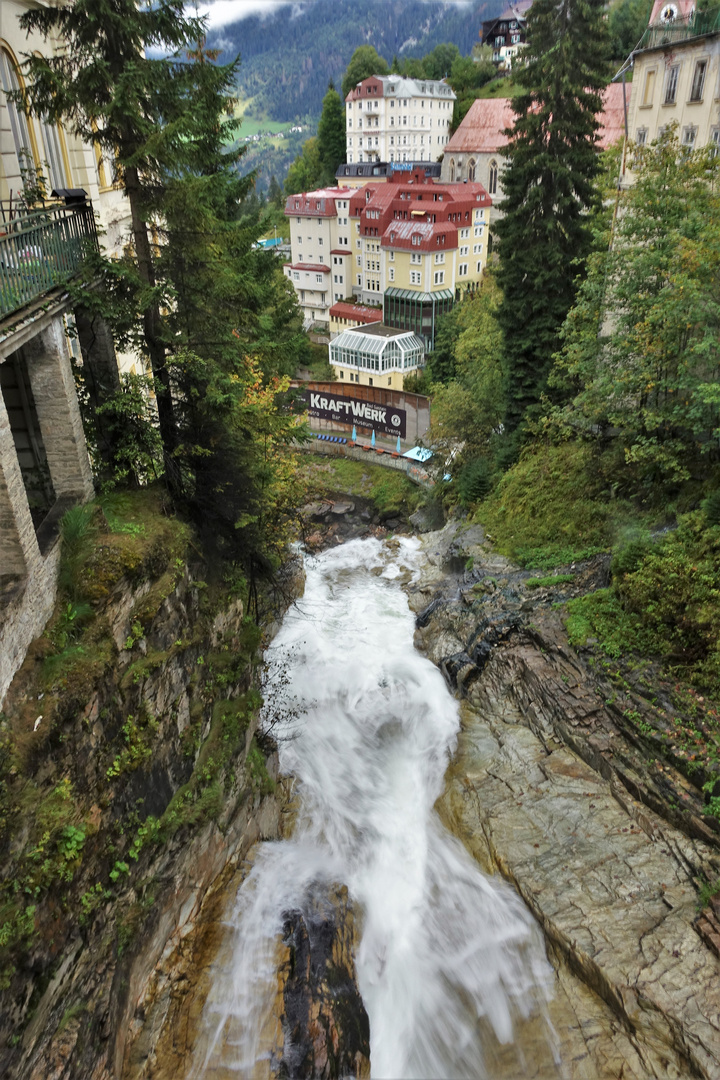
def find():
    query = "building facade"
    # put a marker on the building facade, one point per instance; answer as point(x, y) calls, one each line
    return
point(345, 316)
point(506, 34)
point(474, 153)
point(390, 118)
point(420, 238)
point(676, 77)
point(359, 174)
point(320, 264)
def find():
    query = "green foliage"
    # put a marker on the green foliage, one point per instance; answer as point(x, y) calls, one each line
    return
point(306, 171)
point(475, 480)
point(78, 530)
point(363, 63)
point(130, 424)
point(468, 405)
point(627, 21)
point(549, 582)
point(711, 508)
point(391, 492)
point(663, 602)
point(544, 235)
point(138, 735)
point(548, 509)
point(331, 134)
point(650, 372)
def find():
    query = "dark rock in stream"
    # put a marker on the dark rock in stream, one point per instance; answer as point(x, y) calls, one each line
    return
point(325, 1026)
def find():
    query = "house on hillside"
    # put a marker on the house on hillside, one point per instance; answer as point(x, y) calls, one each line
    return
point(473, 152)
point(506, 34)
point(390, 118)
point(676, 76)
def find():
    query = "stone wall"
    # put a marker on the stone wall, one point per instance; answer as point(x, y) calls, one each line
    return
point(29, 557)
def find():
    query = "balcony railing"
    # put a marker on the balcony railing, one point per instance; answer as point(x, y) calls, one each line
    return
point(697, 24)
point(42, 249)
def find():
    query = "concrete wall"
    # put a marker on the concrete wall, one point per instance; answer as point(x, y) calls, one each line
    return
point(29, 558)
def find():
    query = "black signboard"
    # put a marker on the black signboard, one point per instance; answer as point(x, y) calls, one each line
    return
point(383, 419)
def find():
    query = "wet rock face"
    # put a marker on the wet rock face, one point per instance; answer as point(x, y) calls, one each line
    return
point(337, 519)
point(326, 1030)
point(552, 787)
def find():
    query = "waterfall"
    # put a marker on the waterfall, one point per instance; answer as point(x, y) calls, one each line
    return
point(450, 962)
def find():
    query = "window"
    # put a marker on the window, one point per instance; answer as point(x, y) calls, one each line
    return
point(715, 141)
point(515, 38)
point(463, 252)
point(462, 270)
point(479, 266)
point(24, 143)
point(479, 230)
point(318, 278)
point(416, 239)
point(296, 275)
point(299, 239)
point(471, 169)
point(477, 248)
point(415, 277)
point(439, 277)
point(698, 83)
point(671, 81)
point(688, 136)
point(392, 256)
point(641, 136)
point(493, 177)
point(649, 89)
point(392, 273)
point(359, 279)
point(452, 170)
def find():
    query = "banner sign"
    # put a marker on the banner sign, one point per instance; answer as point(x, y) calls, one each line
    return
point(383, 419)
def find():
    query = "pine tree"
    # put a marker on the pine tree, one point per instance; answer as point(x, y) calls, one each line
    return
point(331, 134)
point(548, 183)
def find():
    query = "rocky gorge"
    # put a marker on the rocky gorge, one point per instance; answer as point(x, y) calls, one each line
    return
point(556, 785)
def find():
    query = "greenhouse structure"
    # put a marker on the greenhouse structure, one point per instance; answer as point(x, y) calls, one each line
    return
point(377, 355)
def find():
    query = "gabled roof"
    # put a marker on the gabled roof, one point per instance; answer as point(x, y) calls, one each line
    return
point(481, 131)
point(315, 267)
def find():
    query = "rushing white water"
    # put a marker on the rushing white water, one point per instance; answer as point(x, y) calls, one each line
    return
point(449, 959)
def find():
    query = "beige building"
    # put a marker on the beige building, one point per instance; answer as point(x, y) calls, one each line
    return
point(676, 76)
point(319, 268)
point(390, 118)
point(29, 145)
point(347, 316)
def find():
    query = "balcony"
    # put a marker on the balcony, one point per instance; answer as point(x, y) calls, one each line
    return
point(41, 250)
point(674, 31)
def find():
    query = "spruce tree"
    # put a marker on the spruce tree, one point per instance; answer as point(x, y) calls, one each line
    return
point(331, 134)
point(549, 187)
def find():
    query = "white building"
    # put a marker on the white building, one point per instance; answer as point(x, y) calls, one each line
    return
point(391, 118)
point(321, 263)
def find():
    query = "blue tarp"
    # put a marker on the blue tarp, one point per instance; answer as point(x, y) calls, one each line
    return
point(418, 453)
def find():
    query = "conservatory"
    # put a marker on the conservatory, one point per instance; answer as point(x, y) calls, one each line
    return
point(377, 355)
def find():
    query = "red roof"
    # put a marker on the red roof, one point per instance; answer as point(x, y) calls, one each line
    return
point(320, 203)
point(357, 312)
point(481, 132)
point(317, 267)
point(612, 118)
point(399, 235)
point(341, 251)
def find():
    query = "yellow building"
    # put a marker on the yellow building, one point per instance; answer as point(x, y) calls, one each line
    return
point(676, 76)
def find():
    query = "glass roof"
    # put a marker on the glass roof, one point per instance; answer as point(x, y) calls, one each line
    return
point(375, 345)
point(420, 297)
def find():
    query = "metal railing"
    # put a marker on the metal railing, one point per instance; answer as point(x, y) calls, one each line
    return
point(687, 26)
point(42, 249)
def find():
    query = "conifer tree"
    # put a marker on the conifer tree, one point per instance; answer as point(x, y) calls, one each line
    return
point(548, 183)
point(331, 134)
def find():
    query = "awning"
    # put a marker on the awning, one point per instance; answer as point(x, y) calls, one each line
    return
point(418, 453)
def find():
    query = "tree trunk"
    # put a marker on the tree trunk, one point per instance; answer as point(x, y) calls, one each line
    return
point(153, 334)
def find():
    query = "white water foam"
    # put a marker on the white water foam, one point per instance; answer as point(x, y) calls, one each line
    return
point(449, 959)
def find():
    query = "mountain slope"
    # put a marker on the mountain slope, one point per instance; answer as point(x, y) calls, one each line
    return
point(289, 56)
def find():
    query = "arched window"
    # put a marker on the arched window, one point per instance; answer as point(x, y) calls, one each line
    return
point(493, 178)
point(23, 136)
point(452, 170)
point(471, 169)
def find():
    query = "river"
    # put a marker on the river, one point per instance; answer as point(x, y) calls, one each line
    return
point(450, 965)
